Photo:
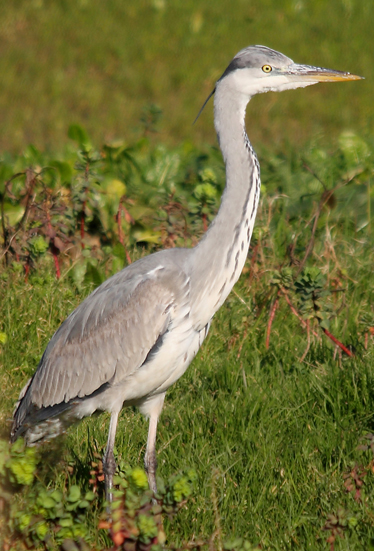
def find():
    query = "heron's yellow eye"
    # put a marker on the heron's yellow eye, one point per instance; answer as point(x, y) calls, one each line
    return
point(267, 68)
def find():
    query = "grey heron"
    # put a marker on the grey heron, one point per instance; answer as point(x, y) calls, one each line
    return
point(137, 333)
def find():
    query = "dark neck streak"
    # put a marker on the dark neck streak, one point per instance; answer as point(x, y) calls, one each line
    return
point(245, 219)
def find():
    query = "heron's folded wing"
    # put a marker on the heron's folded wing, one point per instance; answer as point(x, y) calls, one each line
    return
point(107, 337)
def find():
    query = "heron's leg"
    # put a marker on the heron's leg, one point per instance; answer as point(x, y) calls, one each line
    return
point(150, 461)
point(109, 463)
point(152, 409)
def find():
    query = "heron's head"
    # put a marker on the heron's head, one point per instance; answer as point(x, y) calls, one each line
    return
point(258, 69)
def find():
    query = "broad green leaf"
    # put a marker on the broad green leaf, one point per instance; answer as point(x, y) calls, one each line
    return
point(12, 213)
point(79, 135)
point(147, 235)
point(94, 275)
point(64, 170)
point(74, 493)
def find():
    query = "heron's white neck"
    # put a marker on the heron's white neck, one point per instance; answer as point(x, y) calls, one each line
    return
point(221, 254)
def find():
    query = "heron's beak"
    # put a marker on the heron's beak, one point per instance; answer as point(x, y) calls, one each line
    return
point(309, 73)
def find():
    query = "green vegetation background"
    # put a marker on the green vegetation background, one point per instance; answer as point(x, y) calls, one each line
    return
point(99, 63)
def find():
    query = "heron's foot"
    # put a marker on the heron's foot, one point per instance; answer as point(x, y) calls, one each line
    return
point(109, 468)
point(150, 463)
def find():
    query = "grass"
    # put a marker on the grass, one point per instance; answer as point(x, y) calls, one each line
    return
point(278, 433)
point(273, 432)
point(170, 54)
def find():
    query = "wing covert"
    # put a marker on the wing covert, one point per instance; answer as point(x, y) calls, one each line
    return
point(107, 337)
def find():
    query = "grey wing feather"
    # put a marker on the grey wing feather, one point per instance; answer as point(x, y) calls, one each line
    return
point(106, 338)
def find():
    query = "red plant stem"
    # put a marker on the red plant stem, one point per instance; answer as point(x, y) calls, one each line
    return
point(128, 258)
point(338, 343)
point(83, 216)
point(205, 224)
point(271, 318)
point(27, 269)
point(55, 259)
point(120, 232)
point(327, 333)
point(83, 213)
point(54, 249)
point(253, 260)
point(295, 312)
